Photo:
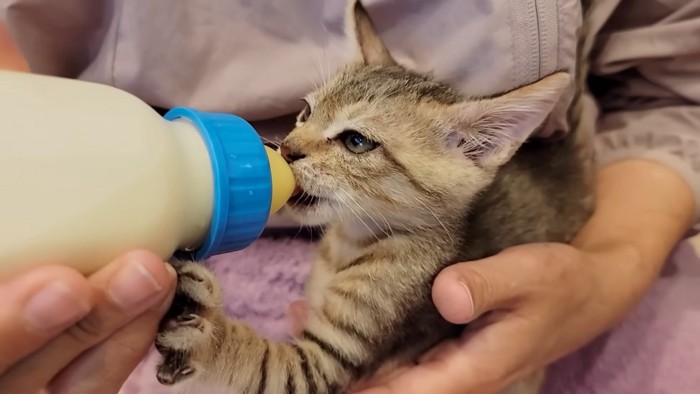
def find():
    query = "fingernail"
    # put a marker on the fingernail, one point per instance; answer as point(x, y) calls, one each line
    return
point(133, 285)
point(171, 270)
point(469, 304)
point(453, 298)
point(53, 307)
point(165, 305)
point(462, 303)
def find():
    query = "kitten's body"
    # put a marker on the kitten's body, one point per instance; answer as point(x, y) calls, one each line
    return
point(440, 183)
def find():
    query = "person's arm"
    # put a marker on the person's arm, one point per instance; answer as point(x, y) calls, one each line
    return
point(650, 114)
point(644, 205)
point(10, 56)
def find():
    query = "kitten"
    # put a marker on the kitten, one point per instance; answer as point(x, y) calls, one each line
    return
point(408, 176)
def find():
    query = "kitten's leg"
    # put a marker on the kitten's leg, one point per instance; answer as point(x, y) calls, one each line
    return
point(340, 341)
point(530, 384)
point(197, 341)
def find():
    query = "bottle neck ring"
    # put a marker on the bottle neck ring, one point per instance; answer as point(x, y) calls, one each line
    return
point(242, 180)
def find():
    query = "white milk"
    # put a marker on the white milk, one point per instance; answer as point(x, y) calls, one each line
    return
point(88, 172)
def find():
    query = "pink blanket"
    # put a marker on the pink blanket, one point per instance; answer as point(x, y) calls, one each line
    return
point(656, 350)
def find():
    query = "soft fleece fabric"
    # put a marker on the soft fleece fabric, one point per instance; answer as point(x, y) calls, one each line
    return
point(654, 351)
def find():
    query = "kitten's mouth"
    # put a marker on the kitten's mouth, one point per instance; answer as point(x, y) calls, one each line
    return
point(303, 199)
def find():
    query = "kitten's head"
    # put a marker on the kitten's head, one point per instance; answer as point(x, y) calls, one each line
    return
point(379, 143)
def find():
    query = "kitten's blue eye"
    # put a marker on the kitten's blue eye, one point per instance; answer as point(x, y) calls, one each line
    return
point(356, 142)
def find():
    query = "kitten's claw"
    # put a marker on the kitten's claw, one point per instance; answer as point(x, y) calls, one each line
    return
point(187, 320)
point(192, 276)
point(170, 378)
point(188, 328)
point(196, 287)
point(174, 368)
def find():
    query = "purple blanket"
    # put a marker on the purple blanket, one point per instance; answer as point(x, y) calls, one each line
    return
point(656, 350)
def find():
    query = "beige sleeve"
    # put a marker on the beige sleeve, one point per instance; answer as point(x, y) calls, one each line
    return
point(646, 77)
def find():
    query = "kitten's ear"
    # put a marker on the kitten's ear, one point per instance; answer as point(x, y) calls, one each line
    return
point(371, 48)
point(490, 131)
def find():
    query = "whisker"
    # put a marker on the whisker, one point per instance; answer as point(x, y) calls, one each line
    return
point(355, 213)
point(388, 225)
point(438, 220)
point(275, 144)
point(381, 215)
point(328, 67)
point(365, 211)
point(306, 197)
point(315, 62)
point(319, 71)
point(301, 227)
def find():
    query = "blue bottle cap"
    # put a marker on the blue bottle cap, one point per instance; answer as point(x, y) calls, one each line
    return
point(242, 180)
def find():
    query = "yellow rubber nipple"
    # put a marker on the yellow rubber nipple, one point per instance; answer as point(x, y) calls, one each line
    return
point(283, 182)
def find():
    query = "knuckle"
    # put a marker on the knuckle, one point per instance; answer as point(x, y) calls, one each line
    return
point(131, 349)
point(532, 258)
point(88, 331)
point(549, 269)
point(566, 275)
point(556, 268)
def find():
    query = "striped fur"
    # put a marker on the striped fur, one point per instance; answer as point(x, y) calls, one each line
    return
point(438, 189)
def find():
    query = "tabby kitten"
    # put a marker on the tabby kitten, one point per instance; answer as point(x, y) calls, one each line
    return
point(408, 176)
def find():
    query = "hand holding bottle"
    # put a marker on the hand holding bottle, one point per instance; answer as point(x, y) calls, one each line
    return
point(94, 178)
point(57, 326)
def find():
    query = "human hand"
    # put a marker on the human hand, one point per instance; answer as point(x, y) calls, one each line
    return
point(62, 331)
point(532, 291)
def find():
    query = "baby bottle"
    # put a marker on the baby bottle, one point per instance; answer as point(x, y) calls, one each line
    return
point(88, 172)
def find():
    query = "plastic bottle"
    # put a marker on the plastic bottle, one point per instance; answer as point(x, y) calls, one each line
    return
point(88, 171)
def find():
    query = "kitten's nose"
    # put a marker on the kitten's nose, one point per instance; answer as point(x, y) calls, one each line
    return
point(290, 155)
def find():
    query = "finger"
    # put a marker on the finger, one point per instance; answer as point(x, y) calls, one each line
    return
point(464, 291)
point(430, 377)
point(479, 364)
point(380, 378)
point(38, 305)
point(123, 290)
point(298, 312)
point(105, 368)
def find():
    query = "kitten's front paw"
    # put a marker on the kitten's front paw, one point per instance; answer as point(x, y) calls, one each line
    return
point(187, 331)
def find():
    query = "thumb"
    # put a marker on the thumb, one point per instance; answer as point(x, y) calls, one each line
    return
point(464, 291)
